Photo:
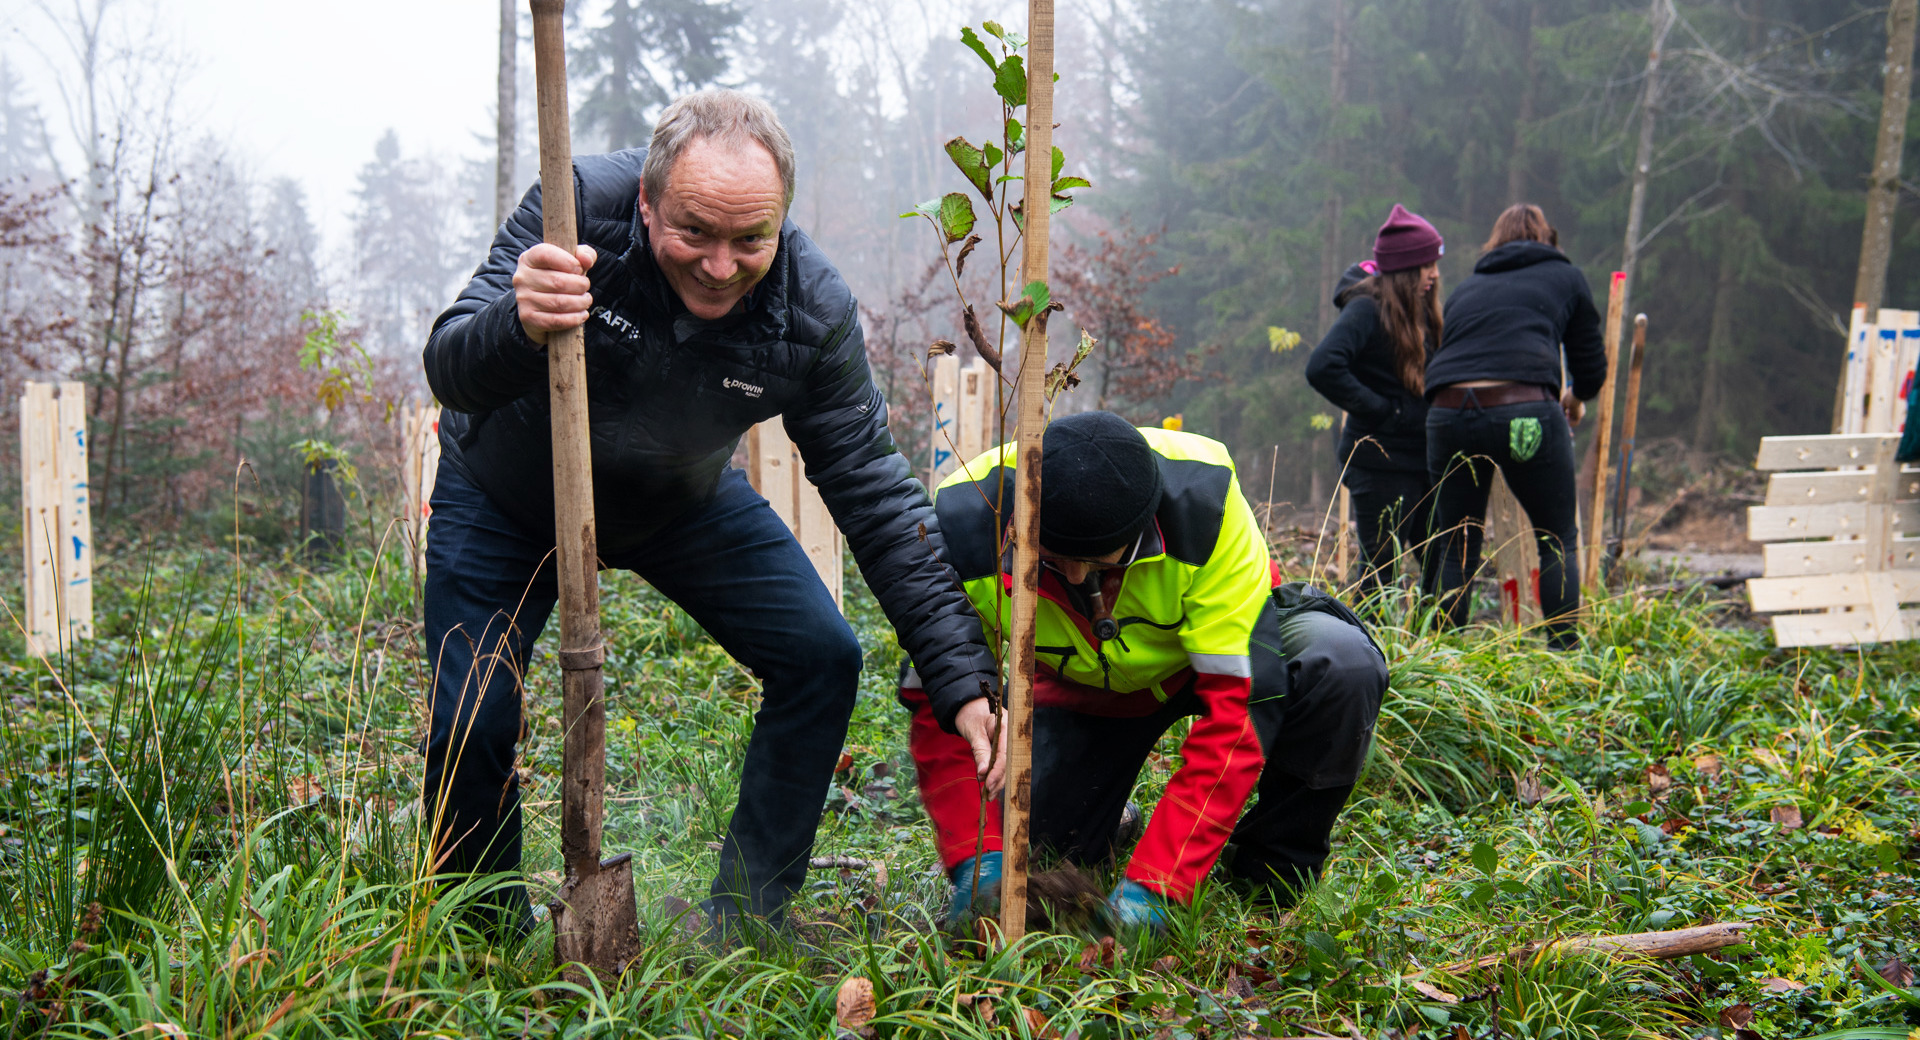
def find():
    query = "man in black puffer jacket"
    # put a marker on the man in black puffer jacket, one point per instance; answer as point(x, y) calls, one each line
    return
point(706, 312)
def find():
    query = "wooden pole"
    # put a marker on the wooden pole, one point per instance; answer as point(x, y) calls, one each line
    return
point(594, 914)
point(1603, 434)
point(1026, 502)
point(1627, 424)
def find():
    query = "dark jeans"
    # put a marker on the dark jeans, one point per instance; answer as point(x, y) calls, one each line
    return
point(1463, 446)
point(1317, 685)
point(1393, 510)
point(735, 568)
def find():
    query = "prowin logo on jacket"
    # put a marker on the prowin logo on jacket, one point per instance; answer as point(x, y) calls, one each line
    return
point(748, 388)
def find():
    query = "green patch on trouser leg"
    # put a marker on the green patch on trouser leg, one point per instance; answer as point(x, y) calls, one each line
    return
point(1523, 437)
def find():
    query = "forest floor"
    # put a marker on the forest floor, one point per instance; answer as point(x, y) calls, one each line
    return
point(208, 827)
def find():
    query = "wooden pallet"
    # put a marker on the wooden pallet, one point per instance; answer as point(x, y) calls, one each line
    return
point(1841, 527)
point(57, 520)
point(1880, 364)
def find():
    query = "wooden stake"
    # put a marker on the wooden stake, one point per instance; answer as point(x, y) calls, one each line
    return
point(1627, 424)
point(1597, 516)
point(1026, 503)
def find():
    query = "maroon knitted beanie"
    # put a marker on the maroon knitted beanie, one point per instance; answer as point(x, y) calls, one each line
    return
point(1406, 241)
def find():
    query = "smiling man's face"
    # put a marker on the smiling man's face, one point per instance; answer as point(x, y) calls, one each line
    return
point(716, 227)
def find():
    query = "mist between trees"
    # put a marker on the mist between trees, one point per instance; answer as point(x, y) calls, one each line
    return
point(1242, 154)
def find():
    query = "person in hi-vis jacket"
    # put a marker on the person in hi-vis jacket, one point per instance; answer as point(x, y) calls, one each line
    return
point(1158, 602)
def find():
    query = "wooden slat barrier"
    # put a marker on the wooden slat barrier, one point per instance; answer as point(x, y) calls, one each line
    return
point(57, 522)
point(1837, 545)
point(775, 469)
point(963, 426)
point(420, 465)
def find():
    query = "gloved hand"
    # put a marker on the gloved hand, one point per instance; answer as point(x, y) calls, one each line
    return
point(967, 898)
point(1134, 905)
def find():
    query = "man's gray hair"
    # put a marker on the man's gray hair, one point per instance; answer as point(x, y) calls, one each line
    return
point(727, 116)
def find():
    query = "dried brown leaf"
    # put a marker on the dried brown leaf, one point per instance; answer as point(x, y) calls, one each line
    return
point(1037, 1026)
point(1787, 816)
point(1528, 788)
point(978, 336)
point(1736, 1016)
point(1167, 965)
point(940, 348)
point(1782, 985)
point(1237, 986)
point(1659, 780)
point(1434, 993)
point(853, 1006)
point(1709, 765)
point(1897, 972)
point(960, 262)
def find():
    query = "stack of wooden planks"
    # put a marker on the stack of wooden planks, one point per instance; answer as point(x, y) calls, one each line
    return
point(1839, 525)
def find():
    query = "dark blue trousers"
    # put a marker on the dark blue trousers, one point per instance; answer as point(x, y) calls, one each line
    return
point(736, 569)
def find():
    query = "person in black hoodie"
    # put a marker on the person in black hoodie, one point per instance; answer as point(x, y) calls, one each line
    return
point(1371, 363)
point(1496, 400)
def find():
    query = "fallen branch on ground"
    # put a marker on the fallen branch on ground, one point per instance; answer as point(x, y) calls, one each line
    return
point(1677, 942)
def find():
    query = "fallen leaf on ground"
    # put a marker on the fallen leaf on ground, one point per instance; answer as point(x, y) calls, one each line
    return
point(1897, 972)
point(845, 765)
point(1736, 1016)
point(1037, 1025)
point(1659, 780)
point(305, 790)
point(1433, 992)
point(1787, 816)
point(1709, 764)
point(1238, 985)
point(1528, 788)
point(853, 1007)
point(1167, 965)
point(1102, 954)
point(1781, 985)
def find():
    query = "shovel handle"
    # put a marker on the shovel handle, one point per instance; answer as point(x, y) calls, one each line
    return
point(583, 710)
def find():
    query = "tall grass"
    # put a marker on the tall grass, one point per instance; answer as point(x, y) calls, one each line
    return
point(230, 775)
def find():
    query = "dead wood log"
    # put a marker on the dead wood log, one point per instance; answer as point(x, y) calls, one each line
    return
point(1659, 946)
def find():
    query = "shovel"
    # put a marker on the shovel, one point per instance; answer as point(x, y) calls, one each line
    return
point(595, 925)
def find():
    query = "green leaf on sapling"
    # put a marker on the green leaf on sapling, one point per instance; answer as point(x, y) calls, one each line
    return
point(1016, 138)
point(972, 163)
point(1015, 40)
point(991, 155)
point(1065, 183)
point(994, 28)
point(956, 216)
point(1010, 81)
point(1059, 162)
point(974, 43)
point(1058, 203)
point(929, 209)
point(1485, 858)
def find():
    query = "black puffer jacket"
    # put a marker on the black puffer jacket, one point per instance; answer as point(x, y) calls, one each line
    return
point(1510, 317)
point(1353, 368)
point(669, 397)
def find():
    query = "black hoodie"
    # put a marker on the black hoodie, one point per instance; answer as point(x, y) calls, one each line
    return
point(1353, 368)
point(1509, 319)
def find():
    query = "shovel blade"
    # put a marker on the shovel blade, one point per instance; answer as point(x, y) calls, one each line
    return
point(595, 924)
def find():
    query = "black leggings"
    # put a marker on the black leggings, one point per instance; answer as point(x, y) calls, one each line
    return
point(1393, 511)
point(1533, 446)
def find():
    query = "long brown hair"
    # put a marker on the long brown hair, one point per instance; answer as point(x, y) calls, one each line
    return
point(1411, 320)
point(1522, 222)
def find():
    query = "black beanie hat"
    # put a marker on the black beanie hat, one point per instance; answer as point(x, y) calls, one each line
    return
point(1099, 484)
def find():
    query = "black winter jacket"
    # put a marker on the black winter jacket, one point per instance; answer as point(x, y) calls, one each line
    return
point(669, 397)
point(1509, 319)
point(1353, 368)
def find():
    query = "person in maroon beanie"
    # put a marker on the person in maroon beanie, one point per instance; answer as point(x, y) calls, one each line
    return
point(1523, 318)
point(1372, 363)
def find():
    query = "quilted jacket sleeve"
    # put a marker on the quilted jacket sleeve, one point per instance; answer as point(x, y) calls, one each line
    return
point(841, 431)
point(478, 358)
